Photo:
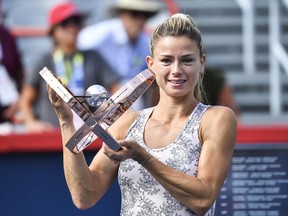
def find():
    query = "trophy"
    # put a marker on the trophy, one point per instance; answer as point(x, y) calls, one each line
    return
point(108, 110)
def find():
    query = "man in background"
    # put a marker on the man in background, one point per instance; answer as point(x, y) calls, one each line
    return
point(121, 40)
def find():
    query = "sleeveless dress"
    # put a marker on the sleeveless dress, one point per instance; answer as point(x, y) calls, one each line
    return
point(141, 194)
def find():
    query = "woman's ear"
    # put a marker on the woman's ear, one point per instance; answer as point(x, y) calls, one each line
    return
point(149, 62)
point(203, 61)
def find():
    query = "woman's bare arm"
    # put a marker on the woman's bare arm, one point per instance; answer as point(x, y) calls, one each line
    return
point(87, 184)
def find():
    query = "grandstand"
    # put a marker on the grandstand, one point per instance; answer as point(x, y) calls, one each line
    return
point(247, 38)
point(239, 37)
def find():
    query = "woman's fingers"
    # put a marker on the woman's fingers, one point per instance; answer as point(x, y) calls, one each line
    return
point(128, 150)
point(62, 110)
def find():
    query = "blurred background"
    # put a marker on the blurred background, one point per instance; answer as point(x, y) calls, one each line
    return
point(248, 39)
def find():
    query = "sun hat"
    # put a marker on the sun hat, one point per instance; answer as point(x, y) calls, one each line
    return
point(61, 12)
point(148, 6)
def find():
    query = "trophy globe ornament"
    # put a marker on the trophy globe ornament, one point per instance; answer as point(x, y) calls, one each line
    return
point(95, 95)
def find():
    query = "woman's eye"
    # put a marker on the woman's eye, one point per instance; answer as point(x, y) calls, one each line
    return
point(166, 61)
point(188, 60)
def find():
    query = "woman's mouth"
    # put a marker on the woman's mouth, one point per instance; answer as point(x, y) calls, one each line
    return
point(177, 81)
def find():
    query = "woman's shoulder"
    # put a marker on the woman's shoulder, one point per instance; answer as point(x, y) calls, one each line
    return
point(121, 126)
point(219, 115)
point(218, 109)
point(219, 123)
point(130, 115)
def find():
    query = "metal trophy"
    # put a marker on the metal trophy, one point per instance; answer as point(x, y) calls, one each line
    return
point(108, 110)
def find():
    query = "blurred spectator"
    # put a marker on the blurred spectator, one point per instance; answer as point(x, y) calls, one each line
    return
point(77, 69)
point(217, 90)
point(11, 75)
point(121, 40)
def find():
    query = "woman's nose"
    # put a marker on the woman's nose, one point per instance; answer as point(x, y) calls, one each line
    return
point(176, 68)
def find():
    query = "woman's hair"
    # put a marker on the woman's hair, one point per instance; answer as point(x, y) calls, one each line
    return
point(176, 26)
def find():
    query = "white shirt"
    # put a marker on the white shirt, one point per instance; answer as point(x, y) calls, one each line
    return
point(110, 39)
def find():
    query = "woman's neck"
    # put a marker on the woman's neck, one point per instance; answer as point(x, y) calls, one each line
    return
point(175, 108)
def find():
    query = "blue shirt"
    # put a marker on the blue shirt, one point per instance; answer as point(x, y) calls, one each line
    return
point(110, 39)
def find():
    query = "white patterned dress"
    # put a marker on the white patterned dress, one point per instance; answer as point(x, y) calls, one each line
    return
point(141, 194)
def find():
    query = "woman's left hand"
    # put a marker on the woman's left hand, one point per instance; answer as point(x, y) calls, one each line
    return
point(130, 149)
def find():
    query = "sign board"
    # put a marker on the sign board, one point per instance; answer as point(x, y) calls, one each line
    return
point(257, 184)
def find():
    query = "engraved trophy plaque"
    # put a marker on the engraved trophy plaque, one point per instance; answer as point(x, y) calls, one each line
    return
point(108, 110)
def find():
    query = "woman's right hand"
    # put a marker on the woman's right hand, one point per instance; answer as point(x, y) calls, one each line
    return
point(62, 110)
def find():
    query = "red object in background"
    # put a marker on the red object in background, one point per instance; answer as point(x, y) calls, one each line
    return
point(32, 31)
point(37, 142)
point(63, 11)
point(51, 141)
point(262, 134)
point(171, 6)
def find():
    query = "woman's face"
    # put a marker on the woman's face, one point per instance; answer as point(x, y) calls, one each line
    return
point(177, 64)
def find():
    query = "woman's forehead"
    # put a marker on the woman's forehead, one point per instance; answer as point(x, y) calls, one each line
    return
point(176, 43)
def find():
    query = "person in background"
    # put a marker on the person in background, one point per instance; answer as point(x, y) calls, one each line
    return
point(175, 156)
point(121, 40)
point(217, 89)
point(11, 75)
point(77, 69)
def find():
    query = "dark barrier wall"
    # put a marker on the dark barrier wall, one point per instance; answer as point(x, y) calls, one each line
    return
point(32, 180)
point(33, 184)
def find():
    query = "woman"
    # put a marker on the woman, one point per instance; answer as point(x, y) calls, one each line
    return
point(77, 69)
point(175, 156)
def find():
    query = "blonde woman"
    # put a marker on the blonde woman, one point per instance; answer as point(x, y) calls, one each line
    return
point(175, 156)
